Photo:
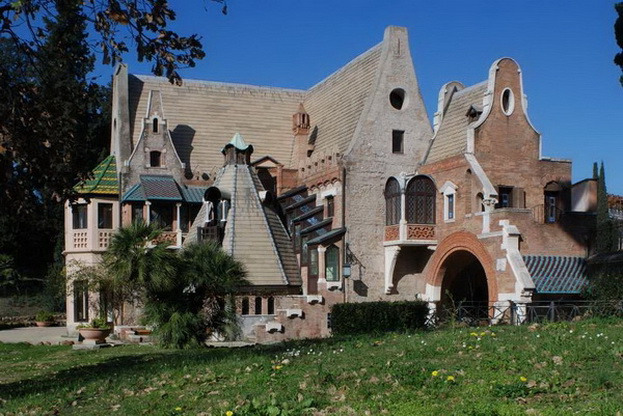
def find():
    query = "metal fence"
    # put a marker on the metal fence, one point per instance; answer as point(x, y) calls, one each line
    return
point(508, 312)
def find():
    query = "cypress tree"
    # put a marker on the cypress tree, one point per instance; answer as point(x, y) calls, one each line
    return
point(604, 241)
point(595, 171)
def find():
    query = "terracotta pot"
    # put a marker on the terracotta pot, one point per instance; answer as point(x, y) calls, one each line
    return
point(43, 324)
point(94, 335)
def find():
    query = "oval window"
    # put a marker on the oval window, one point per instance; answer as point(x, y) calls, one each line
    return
point(508, 101)
point(397, 98)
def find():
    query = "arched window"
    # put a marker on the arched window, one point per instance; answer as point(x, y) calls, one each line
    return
point(258, 305)
point(392, 202)
point(245, 306)
point(155, 159)
point(420, 198)
point(271, 305)
point(154, 125)
point(332, 264)
point(480, 202)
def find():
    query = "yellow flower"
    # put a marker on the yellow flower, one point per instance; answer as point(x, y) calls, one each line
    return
point(278, 367)
point(450, 378)
point(523, 379)
point(229, 413)
point(435, 373)
point(482, 334)
point(178, 409)
point(473, 334)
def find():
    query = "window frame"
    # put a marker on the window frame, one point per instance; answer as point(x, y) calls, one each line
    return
point(421, 192)
point(393, 196)
point(398, 142)
point(105, 218)
point(332, 263)
point(78, 221)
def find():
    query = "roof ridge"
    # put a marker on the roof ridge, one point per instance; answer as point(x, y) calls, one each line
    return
point(347, 66)
point(207, 83)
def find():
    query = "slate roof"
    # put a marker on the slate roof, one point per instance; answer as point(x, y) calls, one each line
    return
point(557, 274)
point(200, 113)
point(338, 232)
point(451, 138)
point(254, 234)
point(163, 188)
point(335, 104)
point(104, 179)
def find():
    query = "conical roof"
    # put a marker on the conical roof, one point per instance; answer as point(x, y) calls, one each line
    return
point(103, 179)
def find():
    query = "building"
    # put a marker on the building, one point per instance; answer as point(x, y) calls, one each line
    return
point(343, 192)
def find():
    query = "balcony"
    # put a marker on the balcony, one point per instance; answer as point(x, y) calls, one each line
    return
point(410, 234)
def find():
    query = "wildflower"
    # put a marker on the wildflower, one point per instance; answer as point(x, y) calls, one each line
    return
point(482, 334)
point(229, 413)
point(435, 373)
point(178, 409)
point(473, 334)
point(450, 378)
point(523, 379)
point(278, 367)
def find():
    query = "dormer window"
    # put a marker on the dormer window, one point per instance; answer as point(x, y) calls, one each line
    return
point(155, 159)
point(154, 125)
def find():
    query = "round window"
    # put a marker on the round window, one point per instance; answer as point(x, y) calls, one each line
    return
point(397, 98)
point(508, 101)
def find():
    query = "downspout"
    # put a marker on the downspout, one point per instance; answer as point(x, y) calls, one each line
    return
point(344, 225)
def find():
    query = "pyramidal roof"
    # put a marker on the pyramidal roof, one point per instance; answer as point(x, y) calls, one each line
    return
point(103, 180)
point(238, 142)
point(254, 233)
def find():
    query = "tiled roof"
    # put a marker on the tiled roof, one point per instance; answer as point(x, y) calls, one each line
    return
point(335, 104)
point(158, 187)
point(451, 138)
point(557, 274)
point(162, 188)
point(254, 234)
point(201, 114)
point(327, 237)
point(104, 180)
point(193, 194)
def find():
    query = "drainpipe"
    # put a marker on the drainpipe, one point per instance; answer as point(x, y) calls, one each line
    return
point(345, 245)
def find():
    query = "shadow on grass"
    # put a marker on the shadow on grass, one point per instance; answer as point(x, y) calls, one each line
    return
point(117, 369)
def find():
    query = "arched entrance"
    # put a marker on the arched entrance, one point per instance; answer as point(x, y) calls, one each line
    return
point(464, 280)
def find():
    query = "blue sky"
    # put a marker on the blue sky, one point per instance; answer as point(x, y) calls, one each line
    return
point(565, 49)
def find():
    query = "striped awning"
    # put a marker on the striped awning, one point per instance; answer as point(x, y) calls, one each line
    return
point(557, 274)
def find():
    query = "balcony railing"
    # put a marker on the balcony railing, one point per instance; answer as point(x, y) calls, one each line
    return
point(410, 232)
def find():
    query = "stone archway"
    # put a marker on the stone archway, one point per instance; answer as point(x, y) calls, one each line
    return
point(464, 279)
point(463, 267)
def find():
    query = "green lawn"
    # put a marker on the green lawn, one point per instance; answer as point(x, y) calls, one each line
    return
point(556, 369)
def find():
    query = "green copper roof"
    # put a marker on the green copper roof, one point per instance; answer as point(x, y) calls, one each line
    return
point(238, 142)
point(103, 181)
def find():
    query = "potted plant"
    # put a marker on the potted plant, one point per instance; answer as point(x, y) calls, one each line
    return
point(95, 332)
point(44, 318)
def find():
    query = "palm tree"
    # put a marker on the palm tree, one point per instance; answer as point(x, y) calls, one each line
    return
point(135, 264)
point(193, 303)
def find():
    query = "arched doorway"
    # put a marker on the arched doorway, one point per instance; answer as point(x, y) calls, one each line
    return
point(464, 288)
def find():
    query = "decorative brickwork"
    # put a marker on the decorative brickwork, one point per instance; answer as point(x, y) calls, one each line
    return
point(462, 241)
point(392, 232)
point(420, 232)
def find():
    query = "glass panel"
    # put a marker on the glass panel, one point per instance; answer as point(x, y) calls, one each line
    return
point(332, 264)
point(271, 305)
point(420, 201)
point(104, 216)
point(392, 202)
point(258, 306)
point(137, 213)
point(79, 216)
point(313, 262)
point(450, 207)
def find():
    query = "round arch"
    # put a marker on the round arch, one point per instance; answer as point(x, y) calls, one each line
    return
point(462, 242)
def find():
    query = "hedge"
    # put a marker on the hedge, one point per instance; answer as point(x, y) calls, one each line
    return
point(376, 317)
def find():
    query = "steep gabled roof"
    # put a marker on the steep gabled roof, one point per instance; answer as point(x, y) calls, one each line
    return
point(201, 113)
point(451, 137)
point(104, 179)
point(335, 104)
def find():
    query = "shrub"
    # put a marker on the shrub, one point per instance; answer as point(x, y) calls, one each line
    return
point(376, 317)
point(44, 316)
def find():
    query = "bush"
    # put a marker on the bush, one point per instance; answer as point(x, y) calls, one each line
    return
point(44, 316)
point(377, 317)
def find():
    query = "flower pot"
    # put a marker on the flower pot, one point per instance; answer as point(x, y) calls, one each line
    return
point(94, 335)
point(43, 324)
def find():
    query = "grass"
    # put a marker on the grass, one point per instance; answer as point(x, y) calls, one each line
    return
point(563, 368)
